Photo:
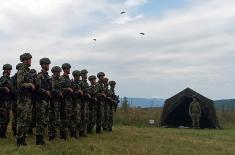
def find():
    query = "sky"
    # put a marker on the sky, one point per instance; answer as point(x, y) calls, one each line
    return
point(187, 43)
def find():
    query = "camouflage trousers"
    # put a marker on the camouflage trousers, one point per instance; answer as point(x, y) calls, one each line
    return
point(14, 115)
point(111, 109)
point(99, 114)
point(76, 116)
point(24, 115)
point(92, 115)
point(105, 116)
point(34, 112)
point(5, 107)
point(84, 116)
point(66, 115)
point(195, 120)
point(42, 116)
point(54, 117)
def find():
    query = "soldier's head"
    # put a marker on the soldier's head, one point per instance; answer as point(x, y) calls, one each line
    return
point(66, 68)
point(45, 63)
point(101, 76)
point(26, 59)
point(84, 73)
point(194, 98)
point(106, 81)
point(56, 70)
point(92, 79)
point(76, 75)
point(18, 66)
point(112, 84)
point(7, 69)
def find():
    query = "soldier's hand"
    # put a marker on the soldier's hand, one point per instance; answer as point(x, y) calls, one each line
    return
point(70, 90)
point(60, 94)
point(32, 86)
point(7, 89)
point(48, 93)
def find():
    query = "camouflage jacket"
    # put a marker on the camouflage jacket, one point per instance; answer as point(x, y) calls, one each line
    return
point(55, 87)
point(23, 79)
point(65, 83)
point(5, 81)
point(43, 84)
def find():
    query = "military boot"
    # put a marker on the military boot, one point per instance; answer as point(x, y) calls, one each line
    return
point(98, 130)
point(24, 141)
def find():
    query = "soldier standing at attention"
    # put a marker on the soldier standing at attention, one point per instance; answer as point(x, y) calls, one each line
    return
point(24, 107)
point(14, 99)
point(92, 103)
point(76, 112)
point(55, 104)
point(106, 105)
point(100, 104)
point(195, 112)
point(85, 104)
point(67, 101)
point(5, 99)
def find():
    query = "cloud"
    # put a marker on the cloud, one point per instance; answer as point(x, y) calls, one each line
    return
point(189, 46)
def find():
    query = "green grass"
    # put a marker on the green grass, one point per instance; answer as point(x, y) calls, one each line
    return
point(134, 141)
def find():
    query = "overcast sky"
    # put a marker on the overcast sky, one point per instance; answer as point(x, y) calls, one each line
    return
point(187, 43)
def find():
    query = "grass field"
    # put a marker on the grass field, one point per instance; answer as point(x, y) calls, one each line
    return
point(134, 141)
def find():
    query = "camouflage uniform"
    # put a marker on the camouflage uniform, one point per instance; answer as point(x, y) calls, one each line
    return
point(100, 104)
point(112, 104)
point(67, 102)
point(14, 99)
point(33, 77)
point(43, 85)
point(195, 112)
point(77, 101)
point(106, 106)
point(24, 104)
point(55, 104)
point(92, 103)
point(85, 105)
point(5, 100)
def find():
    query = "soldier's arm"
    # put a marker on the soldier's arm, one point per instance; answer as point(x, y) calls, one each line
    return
point(39, 84)
point(199, 107)
point(20, 81)
point(190, 107)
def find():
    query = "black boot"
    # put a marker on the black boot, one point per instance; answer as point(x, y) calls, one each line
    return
point(40, 140)
point(63, 135)
point(30, 132)
point(110, 129)
point(82, 134)
point(51, 138)
point(24, 141)
point(105, 129)
point(19, 142)
point(98, 130)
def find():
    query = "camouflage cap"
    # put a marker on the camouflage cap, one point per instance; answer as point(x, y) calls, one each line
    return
point(56, 69)
point(100, 74)
point(92, 78)
point(106, 80)
point(44, 61)
point(112, 83)
point(18, 66)
point(25, 56)
point(33, 71)
point(76, 73)
point(7, 67)
point(66, 66)
point(84, 71)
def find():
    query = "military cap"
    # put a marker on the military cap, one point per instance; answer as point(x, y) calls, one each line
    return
point(84, 71)
point(111, 83)
point(76, 73)
point(100, 74)
point(44, 61)
point(106, 79)
point(66, 66)
point(92, 78)
point(56, 69)
point(25, 56)
point(33, 71)
point(7, 67)
point(18, 66)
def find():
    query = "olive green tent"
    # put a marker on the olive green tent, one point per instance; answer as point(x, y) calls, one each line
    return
point(176, 111)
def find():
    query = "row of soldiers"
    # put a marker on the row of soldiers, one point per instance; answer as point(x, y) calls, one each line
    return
point(55, 104)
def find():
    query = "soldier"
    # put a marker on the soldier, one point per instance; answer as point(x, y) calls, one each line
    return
point(14, 99)
point(33, 77)
point(55, 104)
point(106, 105)
point(113, 104)
point(66, 106)
point(195, 112)
point(5, 99)
point(77, 102)
point(92, 103)
point(101, 99)
point(24, 107)
point(85, 104)
point(43, 85)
